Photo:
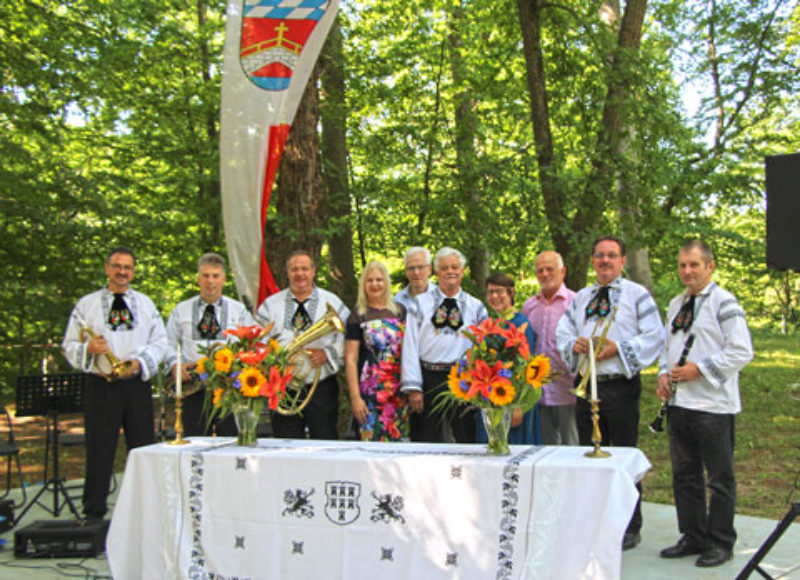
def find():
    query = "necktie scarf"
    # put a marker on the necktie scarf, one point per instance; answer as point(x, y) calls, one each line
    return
point(685, 317)
point(447, 314)
point(208, 327)
point(599, 305)
point(301, 319)
point(120, 315)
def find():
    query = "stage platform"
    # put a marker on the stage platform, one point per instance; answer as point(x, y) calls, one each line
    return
point(660, 530)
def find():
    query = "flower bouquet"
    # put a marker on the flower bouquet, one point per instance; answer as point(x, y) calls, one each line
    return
point(497, 374)
point(241, 375)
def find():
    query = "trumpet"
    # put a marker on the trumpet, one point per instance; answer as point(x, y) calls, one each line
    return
point(657, 426)
point(293, 403)
point(584, 371)
point(117, 367)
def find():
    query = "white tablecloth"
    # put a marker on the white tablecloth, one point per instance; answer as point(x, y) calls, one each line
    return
point(326, 509)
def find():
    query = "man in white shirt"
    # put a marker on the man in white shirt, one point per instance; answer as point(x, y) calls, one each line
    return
point(633, 342)
point(699, 377)
point(201, 321)
point(122, 323)
point(433, 342)
point(417, 262)
point(293, 311)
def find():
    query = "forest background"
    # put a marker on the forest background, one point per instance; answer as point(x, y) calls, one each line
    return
point(501, 128)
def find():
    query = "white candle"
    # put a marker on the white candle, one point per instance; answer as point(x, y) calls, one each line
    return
point(179, 375)
point(593, 370)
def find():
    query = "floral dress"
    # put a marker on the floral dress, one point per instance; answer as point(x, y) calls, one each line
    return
point(380, 336)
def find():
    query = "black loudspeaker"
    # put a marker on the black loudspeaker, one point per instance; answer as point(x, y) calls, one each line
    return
point(783, 211)
point(61, 539)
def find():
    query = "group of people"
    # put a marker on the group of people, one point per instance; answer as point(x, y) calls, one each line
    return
point(397, 351)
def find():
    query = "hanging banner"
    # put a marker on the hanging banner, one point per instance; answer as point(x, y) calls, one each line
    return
point(270, 50)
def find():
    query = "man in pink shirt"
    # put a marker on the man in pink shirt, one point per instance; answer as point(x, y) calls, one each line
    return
point(557, 405)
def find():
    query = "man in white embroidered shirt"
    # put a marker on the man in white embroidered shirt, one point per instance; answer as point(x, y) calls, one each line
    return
point(123, 323)
point(707, 344)
point(433, 343)
point(294, 310)
point(634, 339)
point(201, 321)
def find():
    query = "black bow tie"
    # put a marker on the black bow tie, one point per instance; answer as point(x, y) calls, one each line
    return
point(685, 317)
point(600, 304)
point(208, 327)
point(447, 314)
point(120, 315)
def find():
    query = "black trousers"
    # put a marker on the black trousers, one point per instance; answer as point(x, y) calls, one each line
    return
point(428, 426)
point(619, 423)
point(195, 419)
point(320, 416)
point(107, 406)
point(700, 440)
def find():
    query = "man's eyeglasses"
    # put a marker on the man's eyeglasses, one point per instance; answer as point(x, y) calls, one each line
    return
point(417, 268)
point(123, 267)
point(602, 256)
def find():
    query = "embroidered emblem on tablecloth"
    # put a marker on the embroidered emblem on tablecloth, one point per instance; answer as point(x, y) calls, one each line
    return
point(238, 542)
point(297, 547)
point(341, 501)
point(298, 503)
point(387, 509)
point(508, 505)
point(456, 471)
point(451, 559)
point(387, 554)
point(241, 463)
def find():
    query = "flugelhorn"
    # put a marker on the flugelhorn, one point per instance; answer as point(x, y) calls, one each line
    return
point(294, 403)
point(118, 367)
point(584, 371)
point(657, 426)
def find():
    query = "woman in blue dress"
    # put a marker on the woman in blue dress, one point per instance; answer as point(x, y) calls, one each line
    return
point(500, 292)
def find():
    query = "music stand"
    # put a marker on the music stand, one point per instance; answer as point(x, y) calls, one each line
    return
point(49, 395)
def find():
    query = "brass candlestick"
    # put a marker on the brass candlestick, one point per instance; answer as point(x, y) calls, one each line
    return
point(179, 440)
point(597, 437)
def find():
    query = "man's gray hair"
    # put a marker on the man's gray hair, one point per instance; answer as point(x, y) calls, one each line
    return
point(446, 252)
point(416, 250)
point(211, 259)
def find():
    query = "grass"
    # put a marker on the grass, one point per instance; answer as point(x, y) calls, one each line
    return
point(767, 455)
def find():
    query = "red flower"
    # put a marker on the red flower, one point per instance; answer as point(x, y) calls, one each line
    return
point(484, 376)
point(245, 333)
point(252, 358)
point(487, 327)
point(515, 336)
point(275, 387)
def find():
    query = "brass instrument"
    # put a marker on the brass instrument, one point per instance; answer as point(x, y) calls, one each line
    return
point(117, 367)
point(297, 356)
point(584, 371)
point(190, 387)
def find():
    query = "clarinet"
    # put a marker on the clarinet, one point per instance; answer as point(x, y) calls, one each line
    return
point(657, 426)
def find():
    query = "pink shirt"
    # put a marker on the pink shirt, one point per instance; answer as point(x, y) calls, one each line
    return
point(543, 316)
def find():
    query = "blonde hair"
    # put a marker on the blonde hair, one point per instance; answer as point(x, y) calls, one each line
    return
point(361, 303)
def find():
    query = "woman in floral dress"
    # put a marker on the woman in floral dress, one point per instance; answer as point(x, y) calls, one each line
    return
point(373, 339)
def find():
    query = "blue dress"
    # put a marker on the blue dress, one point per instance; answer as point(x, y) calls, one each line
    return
point(529, 431)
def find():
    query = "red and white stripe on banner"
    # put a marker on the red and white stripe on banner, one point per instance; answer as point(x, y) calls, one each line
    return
point(270, 50)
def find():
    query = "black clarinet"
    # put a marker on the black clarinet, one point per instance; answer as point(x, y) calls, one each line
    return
point(657, 426)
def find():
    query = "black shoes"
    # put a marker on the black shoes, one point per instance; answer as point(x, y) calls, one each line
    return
point(683, 548)
point(713, 556)
point(631, 540)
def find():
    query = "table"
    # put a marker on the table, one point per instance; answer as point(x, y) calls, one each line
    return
point(334, 509)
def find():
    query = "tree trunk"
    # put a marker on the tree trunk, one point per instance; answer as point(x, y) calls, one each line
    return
point(466, 123)
point(333, 110)
point(301, 205)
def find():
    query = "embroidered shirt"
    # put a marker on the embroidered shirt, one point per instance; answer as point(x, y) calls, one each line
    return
point(721, 348)
point(145, 342)
point(280, 308)
point(182, 326)
point(424, 342)
point(406, 299)
point(637, 329)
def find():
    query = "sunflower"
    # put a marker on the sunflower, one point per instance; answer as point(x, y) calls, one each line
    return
point(217, 395)
point(502, 393)
point(201, 365)
point(537, 371)
point(458, 383)
point(251, 379)
point(223, 359)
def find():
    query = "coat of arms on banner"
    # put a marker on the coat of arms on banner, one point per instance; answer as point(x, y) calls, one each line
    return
point(274, 33)
point(341, 501)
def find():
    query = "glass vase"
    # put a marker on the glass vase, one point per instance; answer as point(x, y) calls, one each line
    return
point(246, 418)
point(497, 422)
